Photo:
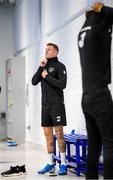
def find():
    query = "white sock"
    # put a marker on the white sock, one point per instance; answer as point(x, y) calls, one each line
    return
point(50, 158)
point(19, 164)
point(63, 158)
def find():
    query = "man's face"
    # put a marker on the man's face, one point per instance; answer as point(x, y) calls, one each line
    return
point(50, 52)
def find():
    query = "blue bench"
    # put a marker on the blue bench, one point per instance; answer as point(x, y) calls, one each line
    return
point(78, 160)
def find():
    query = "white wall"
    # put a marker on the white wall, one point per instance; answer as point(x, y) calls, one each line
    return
point(6, 48)
point(33, 108)
point(27, 24)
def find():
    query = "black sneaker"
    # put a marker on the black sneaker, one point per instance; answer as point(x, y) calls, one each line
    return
point(14, 171)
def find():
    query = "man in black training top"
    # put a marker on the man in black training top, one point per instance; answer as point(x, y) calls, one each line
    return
point(52, 75)
point(94, 43)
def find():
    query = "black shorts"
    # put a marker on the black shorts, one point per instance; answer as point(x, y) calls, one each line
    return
point(53, 115)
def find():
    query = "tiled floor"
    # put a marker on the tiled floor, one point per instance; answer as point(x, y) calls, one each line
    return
point(33, 156)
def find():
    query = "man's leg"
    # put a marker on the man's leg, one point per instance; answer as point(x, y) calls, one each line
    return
point(60, 138)
point(94, 147)
point(48, 132)
point(104, 117)
point(108, 147)
point(105, 123)
point(62, 149)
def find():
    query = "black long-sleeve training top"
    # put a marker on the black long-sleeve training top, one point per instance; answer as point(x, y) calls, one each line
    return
point(94, 42)
point(52, 86)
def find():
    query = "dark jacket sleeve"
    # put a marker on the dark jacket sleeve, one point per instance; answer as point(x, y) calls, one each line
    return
point(62, 78)
point(37, 76)
point(106, 21)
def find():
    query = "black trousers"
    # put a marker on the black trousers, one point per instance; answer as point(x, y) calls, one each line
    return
point(98, 110)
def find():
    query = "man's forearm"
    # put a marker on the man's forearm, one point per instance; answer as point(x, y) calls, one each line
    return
point(37, 76)
point(55, 82)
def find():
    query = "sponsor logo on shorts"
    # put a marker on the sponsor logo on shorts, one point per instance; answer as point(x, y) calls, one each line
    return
point(58, 118)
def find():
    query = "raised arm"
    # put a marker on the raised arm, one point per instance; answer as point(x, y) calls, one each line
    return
point(107, 19)
point(38, 75)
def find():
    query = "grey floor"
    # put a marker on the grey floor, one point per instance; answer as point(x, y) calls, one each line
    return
point(33, 156)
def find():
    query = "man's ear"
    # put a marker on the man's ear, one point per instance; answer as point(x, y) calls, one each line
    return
point(56, 52)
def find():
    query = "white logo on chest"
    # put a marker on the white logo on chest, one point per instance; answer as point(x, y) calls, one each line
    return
point(51, 69)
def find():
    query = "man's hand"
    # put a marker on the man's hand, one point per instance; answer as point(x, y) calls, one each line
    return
point(44, 73)
point(97, 7)
point(43, 62)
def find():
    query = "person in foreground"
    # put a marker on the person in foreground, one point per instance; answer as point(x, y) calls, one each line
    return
point(94, 41)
